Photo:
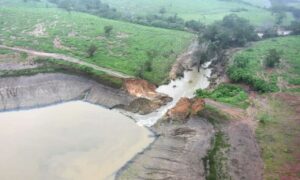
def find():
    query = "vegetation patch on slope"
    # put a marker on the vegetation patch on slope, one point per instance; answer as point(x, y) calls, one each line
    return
point(215, 161)
point(226, 93)
point(249, 65)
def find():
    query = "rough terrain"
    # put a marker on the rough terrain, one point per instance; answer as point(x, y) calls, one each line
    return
point(148, 100)
point(183, 62)
point(176, 154)
point(181, 146)
point(243, 158)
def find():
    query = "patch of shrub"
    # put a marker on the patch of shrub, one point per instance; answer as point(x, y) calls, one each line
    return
point(240, 72)
point(227, 93)
point(264, 118)
point(272, 59)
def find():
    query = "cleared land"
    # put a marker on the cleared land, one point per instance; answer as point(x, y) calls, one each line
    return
point(205, 11)
point(125, 50)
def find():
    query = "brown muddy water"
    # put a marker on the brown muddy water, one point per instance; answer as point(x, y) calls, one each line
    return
point(181, 87)
point(69, 141)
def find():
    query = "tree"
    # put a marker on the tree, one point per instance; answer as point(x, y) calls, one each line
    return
point(91, 50)
point(66, 5)
point(232, 31)
point(151, 54)
point(202, 55)
point(195, 25)
point(272, 59)
point(280, 16)
point(108, 30)
point(162, 11)
point(295, 27)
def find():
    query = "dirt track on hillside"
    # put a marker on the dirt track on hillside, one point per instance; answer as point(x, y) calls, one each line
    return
point(68, 59)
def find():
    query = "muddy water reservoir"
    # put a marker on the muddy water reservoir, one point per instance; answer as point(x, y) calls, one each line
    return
point(70, 141)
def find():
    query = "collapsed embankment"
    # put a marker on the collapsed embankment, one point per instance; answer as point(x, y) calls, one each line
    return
point(217, 143)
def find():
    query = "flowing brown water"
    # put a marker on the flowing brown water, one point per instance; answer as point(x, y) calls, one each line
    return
point(70, 141)
point(181, 87)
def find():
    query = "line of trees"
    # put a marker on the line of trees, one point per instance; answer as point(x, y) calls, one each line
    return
point(215, 39)
point(96, 7)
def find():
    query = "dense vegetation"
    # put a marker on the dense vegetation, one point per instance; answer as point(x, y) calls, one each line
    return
point(215, 39)
point(94, 7)
point(227, 93)
point(240, 72)
point(232, 31)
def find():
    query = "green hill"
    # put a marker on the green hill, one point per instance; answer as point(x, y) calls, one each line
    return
point(287, 74)
point(125, 50)
point(203, 10)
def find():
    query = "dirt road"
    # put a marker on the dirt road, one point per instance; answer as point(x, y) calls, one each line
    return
point(68, 59)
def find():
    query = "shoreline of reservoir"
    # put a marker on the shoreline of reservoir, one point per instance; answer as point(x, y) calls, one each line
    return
point(91, 148)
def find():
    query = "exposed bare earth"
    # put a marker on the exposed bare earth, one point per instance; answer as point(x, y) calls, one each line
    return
point(14, 61)
point(179, 151)
point(68, 59)
point(176, 154)
point(45, 89)
point(183, 62)
point(244, 158)
point(291, 170)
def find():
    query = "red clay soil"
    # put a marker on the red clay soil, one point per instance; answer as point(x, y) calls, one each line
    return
point(140, 88)
point(185, 108)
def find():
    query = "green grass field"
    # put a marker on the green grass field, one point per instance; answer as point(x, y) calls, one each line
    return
point(289, 68)
point(205, 11)
point(124, 50)
point(259, 3)
point(29, 3)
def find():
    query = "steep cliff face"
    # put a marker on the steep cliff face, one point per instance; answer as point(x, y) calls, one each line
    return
point(46, 89)
point(148, 100)
point(140, 88)
point(184, 61)
point(185, 108)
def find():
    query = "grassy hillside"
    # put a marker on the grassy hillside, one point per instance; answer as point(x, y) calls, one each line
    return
point(289, 68)
point(125, 50)
point(206, 11)
point(259, 3)
point(29, 3)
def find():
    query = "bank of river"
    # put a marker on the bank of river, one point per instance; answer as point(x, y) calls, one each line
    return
point(74, 140)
